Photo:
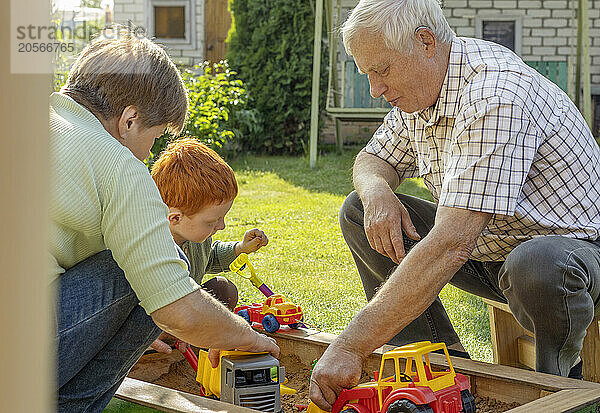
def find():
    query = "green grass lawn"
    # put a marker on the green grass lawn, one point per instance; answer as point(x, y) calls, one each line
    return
point(307, 259)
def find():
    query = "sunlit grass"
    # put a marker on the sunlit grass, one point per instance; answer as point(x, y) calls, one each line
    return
point(307, 259)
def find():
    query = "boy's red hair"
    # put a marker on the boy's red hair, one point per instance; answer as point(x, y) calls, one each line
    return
point(191, 176)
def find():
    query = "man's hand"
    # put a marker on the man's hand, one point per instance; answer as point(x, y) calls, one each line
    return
point(253, 240)
point(337, 369)
point(384, 219)
point(262, 344)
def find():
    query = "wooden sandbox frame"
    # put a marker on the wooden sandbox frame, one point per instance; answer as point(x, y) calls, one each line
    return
point(536, 392)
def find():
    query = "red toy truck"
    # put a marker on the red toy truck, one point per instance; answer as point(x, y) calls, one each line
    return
point(273, 313)
point(408, 387)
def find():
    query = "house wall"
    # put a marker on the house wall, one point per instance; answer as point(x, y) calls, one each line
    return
point(549, 27)
point(138, 12)
point(548, 34)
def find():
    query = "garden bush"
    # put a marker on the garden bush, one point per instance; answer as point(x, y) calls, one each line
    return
point(270, 45)
point(218, 113)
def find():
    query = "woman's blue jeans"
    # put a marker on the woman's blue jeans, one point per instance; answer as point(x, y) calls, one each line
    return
point(101, 332)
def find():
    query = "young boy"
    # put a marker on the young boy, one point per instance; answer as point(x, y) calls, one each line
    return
point(199, 188)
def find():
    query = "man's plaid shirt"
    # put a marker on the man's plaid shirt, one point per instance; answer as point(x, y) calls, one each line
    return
point(501, 139)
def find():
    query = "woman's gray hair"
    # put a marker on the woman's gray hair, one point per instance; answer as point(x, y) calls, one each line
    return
point(397, 21)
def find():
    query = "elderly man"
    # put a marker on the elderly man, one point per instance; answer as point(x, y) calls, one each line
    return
point(515, 174)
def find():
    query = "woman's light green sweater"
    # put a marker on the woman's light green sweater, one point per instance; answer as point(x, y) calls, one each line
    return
point(103, 197)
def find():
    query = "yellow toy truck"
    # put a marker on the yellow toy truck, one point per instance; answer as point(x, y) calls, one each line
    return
point(252, 380)
point(406, 383)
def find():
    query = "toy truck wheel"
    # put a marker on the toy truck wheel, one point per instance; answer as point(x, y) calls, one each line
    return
point(468, 402)
point(270, 323)
point(244, 314)
point(406, 406)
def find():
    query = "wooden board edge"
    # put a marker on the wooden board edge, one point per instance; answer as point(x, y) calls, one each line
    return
point(172, 401)
point(543, 381)
point(564, 401)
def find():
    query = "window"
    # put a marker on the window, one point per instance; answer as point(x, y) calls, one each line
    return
point(504, 30)
point(171, 22)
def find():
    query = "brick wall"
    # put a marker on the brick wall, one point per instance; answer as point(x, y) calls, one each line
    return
point(548, 27)
point(138, 13)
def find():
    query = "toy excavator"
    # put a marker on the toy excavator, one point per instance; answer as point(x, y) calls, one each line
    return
point(275, 311)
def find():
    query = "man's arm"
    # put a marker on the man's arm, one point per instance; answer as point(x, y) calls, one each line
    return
point(384, 215)
point(408, 292)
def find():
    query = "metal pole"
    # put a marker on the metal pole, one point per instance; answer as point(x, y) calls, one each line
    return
point(587, 92)
point(314, 109)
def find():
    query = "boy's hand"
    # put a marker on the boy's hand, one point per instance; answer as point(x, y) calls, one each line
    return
point(253, 240)
point(160, 346)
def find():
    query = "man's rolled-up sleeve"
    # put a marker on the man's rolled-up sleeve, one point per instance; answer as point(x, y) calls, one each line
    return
point(391, 143)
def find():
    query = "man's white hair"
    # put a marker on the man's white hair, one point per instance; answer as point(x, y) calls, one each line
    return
point(397, 21)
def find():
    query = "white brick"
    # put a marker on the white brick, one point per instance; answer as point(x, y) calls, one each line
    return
point(595, 79)
point(465, 31)
point(555, 22)
point(532, 41)
point(554, 41)
point(181, 60)
point(526, 53)
point(543, 32)
point(505, 4)
point(531, 22)
point(597, 23)
point(566, 32)
point(538, 13)
point(594, 13)
point(456, 22)
point(455, 3)
point(480, 4)
point(126, 16)
point(447, 12)
point(553, 58)
point(468, 13)
point(133, 8)
point(544, 51)
point(191, 53)
point(566, 14)
point(565, 51)
point(530, 4)
point(118, 8)
point(526, 31)
point(513, 12)
point(555, 4)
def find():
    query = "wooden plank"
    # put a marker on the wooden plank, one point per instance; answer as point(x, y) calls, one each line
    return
point(505, 331)
point(564, 401)
point(217, 21)
point(526, 351)
point(172, 401)
point(316, 80)
point(509, 341)
point(591, 352)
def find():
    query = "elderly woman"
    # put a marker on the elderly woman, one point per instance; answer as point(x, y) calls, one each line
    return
point(118, 274)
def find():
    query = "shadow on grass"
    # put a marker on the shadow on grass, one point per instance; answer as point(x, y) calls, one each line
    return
point(333, 173)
